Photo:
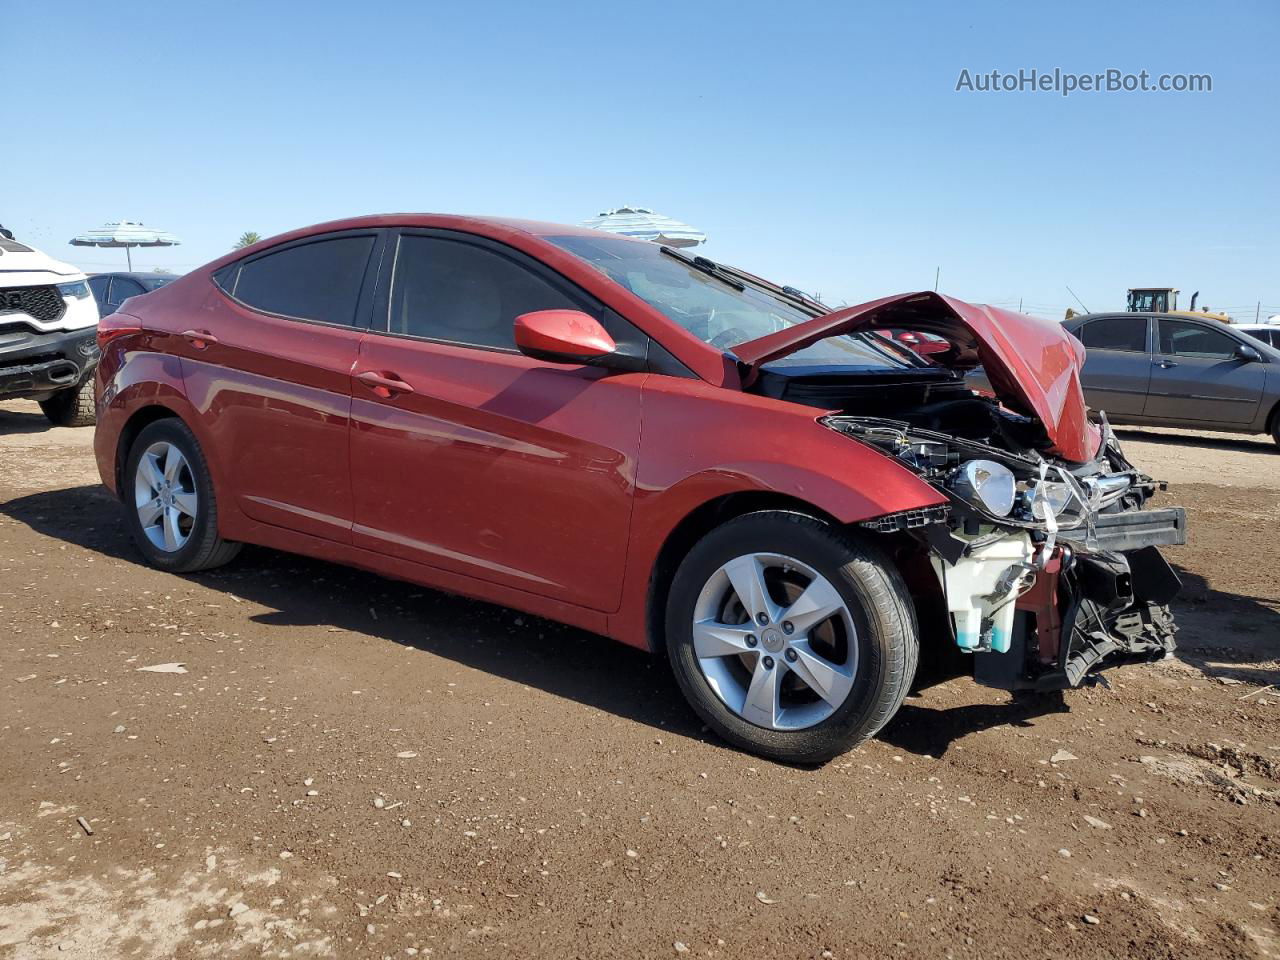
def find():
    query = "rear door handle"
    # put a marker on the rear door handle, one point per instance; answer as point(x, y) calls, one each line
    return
point(200, 338)
point(384, 384)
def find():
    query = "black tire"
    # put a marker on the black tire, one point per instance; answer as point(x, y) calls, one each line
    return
point(204, 548)
point(72, 407)
point(878, 602)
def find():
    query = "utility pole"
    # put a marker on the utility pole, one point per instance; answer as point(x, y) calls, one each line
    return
point(936, 273)
point(1257, 313)
point(1019, 304)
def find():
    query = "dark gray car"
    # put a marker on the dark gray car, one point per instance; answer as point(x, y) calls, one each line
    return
point(1171, 370)
point(113, 289)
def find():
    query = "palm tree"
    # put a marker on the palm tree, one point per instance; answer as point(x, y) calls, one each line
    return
point(247, 239)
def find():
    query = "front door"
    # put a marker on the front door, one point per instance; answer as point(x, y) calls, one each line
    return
point(1196, 375)
point(471, 457)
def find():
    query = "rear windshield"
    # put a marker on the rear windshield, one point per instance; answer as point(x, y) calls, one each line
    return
point(714, 311)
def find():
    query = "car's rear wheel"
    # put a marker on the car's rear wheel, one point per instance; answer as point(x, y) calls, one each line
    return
point(790, 638)
point(170, 505)
point(72, 407)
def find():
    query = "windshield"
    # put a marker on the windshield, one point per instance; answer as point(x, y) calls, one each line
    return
point(717, 312)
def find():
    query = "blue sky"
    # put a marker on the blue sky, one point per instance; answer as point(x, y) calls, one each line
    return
point(822, 144)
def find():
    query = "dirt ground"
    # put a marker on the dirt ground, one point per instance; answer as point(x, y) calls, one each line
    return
point(352, 767)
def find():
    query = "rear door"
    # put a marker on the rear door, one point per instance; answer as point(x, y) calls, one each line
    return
point(1196, 376)
point(270, 368)
point(480, 460)
point(1117, 366)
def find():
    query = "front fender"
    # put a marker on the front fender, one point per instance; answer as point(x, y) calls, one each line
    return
point(700, 443)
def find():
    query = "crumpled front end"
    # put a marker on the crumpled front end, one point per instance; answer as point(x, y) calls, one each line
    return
point(1049, 570)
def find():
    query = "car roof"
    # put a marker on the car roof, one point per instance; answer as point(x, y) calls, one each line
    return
point(140, 274)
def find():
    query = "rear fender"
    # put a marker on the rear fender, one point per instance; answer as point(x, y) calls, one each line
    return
point(136, 386)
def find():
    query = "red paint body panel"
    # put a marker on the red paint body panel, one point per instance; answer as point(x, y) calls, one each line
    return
point(551, 488)
point(498, 466)
point(701, 443)
point(1033, 364)
point(275, 398)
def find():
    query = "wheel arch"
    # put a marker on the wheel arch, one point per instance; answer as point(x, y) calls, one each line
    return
point(908, 554)
point(138, 421)
point(1273, 422)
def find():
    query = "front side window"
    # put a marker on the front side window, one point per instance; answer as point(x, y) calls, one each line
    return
point(1184, 338)
point(319, 280)
point(463, 293)
point(713, 311)
point(1116, 333)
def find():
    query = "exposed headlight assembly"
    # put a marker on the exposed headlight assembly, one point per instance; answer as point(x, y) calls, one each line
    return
point(76, 290)
point(986, 484)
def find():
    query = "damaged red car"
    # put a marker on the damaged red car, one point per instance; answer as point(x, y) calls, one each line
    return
point(802, 515)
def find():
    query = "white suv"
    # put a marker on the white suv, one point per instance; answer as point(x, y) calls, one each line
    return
point(48, 333)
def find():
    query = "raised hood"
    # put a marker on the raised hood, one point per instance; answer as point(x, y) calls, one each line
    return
point(1033, 365)
point(24, 266)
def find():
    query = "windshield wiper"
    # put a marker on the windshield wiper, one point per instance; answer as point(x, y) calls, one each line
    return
point(790, 294)
point(702, 264)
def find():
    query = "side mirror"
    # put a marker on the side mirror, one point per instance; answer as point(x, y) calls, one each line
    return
point(1248, 353)
point(563, 336)
point(908, 338)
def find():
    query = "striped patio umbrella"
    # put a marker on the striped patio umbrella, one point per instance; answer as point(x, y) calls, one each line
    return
point(127, 234)
point(643, 224)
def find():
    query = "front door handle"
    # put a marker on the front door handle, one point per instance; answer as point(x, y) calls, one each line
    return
point(1166, 364)
point(384, 384)
point(200, 339)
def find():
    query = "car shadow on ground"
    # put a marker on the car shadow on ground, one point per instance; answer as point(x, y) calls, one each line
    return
point(1226, 634)
point(1248, 443)
point(570, 663)
point(300, 592)
point(929, 732)
point(22, 421)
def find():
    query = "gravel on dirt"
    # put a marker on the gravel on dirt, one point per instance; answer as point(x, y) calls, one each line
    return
point(448, 778)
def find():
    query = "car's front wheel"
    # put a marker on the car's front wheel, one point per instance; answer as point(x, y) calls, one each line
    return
point(170, 506)
point(790, 638)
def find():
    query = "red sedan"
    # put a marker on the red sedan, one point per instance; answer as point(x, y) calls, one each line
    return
point(649, 445)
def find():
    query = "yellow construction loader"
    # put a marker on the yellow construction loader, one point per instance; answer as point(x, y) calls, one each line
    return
point(1165, 300)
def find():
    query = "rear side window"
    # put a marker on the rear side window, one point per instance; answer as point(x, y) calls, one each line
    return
point(1116, 333)
point(1185, 339)
point(317, 281)
point(462, 293)
point(122, 288)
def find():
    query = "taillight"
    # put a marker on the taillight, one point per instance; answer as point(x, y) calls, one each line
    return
point(116, 325)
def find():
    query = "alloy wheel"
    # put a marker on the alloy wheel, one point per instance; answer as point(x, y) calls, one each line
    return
point(775, 641)
point(165, 496)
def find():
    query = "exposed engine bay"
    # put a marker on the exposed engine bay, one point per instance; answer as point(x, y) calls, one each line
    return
point(1049, 568)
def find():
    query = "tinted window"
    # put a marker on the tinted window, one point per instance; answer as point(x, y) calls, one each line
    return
point(1116, 333)
point(99, 287)
point(122, 288)
point(1186, 339)
point(155, 283)
point(314, 281)
point(457, 291)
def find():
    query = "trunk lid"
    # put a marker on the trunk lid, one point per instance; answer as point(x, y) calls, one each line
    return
point(1033, 364)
